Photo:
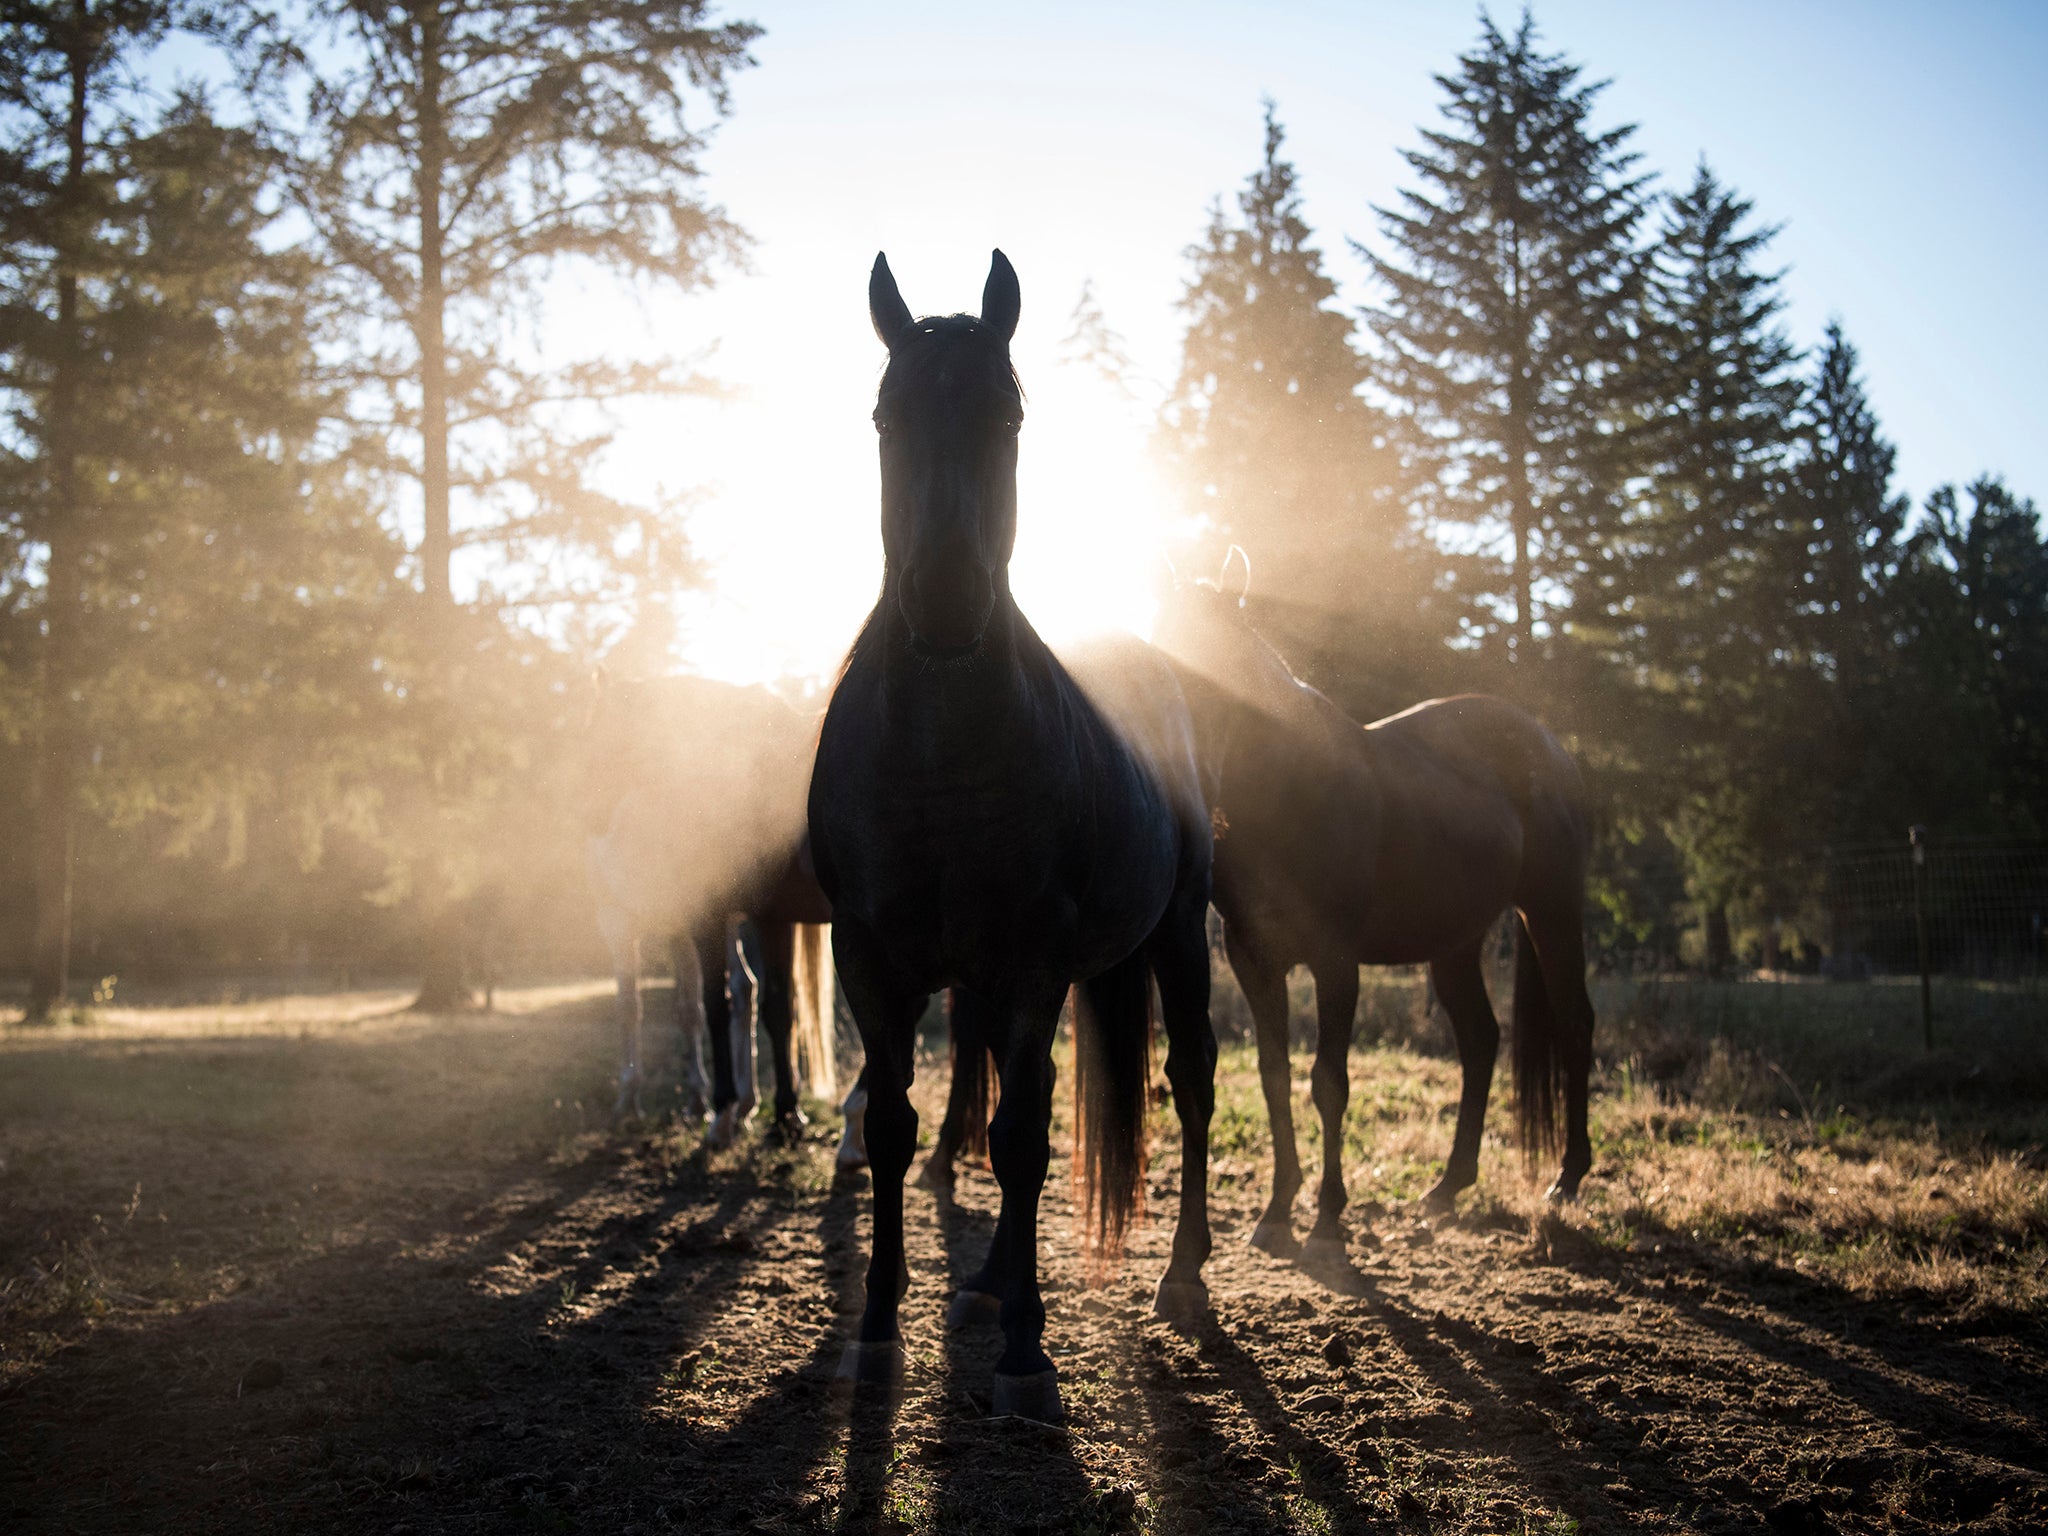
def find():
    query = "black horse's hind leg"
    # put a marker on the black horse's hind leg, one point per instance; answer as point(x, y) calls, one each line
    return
point(1561, 951)
point(966, 1098)
point(886, 1012)
point(1264, 985)
point(1179, 953)
point(772, 994)
point(1461, 988)
point(1336, 1009)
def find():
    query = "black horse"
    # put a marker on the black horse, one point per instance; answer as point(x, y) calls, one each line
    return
point(979, 822)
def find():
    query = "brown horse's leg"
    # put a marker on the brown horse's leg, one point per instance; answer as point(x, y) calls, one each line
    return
point(1461, 988)
point(1179, 954)
point(886, 1013)
point(1265, 989)
point(1561, 952)
point(1336, 1008)
point(966, 1090)
point(773, 1000)
point(725, 1093)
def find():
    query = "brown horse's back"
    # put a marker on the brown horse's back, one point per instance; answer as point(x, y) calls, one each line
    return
point(1480, 809)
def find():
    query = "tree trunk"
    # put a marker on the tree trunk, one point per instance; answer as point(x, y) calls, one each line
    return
point(59, 746)
point(444, 984)
point(1720, 946)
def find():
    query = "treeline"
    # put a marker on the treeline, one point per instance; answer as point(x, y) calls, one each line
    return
point(1568, 453)
point(268, 373)
point(267, 279)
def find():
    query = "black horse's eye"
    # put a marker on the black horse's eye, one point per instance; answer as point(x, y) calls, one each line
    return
point(881, 427)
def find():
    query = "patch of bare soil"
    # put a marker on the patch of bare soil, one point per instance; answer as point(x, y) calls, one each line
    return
point(494, 1321)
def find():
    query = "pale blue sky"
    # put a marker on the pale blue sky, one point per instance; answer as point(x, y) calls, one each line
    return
point(1900, 145)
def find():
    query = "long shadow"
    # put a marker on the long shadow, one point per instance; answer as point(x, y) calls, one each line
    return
point(360, 1387)
point(798, 1412)
point(1902, 1345)
point(996, 1474)
point(1318, 1464)
point(1195, 1457)
point(1850, 1326)
point(1505, 1400)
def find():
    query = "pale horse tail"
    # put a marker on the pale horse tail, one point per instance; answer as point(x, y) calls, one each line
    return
point(812, 982)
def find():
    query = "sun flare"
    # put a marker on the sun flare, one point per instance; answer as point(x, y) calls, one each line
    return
point(791, 541)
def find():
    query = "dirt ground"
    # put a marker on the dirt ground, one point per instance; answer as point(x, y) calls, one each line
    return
point(341, 1269)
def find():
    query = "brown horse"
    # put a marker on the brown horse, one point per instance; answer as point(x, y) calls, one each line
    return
point(1394, 843)
point(694, 801)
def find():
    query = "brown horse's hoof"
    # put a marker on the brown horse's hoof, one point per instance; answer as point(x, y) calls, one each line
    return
point(724, 1129)
point(1323, 1252)
point(1274, 1237)
point(1442, 1200)
point(881, 1361)
point(1035, 1397)
point(936, 1175)
point(1327, 1261)
point(969, 1308)
point(1181, 1304)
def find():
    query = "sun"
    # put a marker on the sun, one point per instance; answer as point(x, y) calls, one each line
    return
point(789, 532)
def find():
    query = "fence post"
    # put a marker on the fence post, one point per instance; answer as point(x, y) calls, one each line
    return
point(1917, 836)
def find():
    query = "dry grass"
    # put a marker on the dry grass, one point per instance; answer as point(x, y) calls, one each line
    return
point(1787, 1123)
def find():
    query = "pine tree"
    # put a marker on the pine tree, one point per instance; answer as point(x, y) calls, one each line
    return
point(1966, 695)
point(1264, 425)
point(68, 103)
point(1511, 294)
point(449, 158)
point(205, 593)
point(1702, 616)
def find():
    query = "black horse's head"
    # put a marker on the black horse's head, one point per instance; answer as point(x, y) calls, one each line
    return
point(948, 417)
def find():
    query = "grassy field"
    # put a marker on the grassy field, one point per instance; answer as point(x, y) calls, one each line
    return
point(316, 1263)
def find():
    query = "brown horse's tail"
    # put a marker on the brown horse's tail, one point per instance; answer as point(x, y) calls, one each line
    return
point(811, 979)
point(1112, 1050)
point(1539, 1062)
point(969, 1095)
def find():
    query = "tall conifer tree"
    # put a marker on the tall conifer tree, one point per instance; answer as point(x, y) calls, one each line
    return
point(1702, 612)
point(449, 158)
point(1511, 285)
point(1264, 424)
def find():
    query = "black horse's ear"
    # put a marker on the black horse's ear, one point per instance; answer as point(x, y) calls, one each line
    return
point(885, 305)
point(1000, 300)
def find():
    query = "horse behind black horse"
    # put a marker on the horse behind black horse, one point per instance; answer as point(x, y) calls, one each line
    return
point(978, 822)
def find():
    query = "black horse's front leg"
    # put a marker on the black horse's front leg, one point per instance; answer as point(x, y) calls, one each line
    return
point(1019, 1145)
point(885, 1009)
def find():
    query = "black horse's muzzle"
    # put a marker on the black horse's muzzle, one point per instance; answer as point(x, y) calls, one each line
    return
point(946, 600)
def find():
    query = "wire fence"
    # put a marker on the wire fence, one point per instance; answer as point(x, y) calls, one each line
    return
point(1978, 906)
point(1955, 906)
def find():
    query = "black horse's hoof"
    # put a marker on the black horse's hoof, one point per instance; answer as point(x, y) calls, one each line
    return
point(881, 1361)
point(788, 1130)
point(1182, 1304)
point(1563, 1193)
point(1035, 1397)
point(1275, 1237)
point(970, 1308)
